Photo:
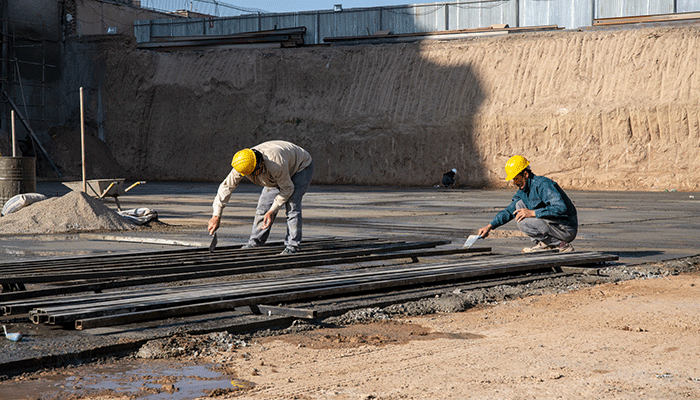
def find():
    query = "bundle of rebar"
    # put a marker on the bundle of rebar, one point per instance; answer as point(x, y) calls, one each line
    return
point(144, 304)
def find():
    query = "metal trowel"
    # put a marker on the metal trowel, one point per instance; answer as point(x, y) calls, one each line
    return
point(470, 241)
point(212, 246)
point(15, 337)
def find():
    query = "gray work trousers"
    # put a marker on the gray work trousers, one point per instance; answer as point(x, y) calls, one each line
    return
point(301, 181)
point(544, 230)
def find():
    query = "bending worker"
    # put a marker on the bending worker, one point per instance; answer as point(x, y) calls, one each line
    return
point(541, 208)
point(285, 171)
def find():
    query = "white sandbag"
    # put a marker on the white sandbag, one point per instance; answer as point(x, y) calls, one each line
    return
point(140, 216)
point(16, 203)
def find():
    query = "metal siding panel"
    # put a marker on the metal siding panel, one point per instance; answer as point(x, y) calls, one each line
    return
point(309, 21)
point(268, 22)
point(161, 27)
point(418, 18)
point(188, 27)
point(630, 8)
point(539, 12)
point(687, 6)
point(482, 15)
point(361, 22)
point(195, 27)
point(575, 13)
point(142, 31)
point(239, 25)
point(325, 26)
point(428, 18)
point(286, 21)
point(399, 20)
point(214, 26)
point(176, 28)
point(350, 23)
point(608, 8)
point(649, 7)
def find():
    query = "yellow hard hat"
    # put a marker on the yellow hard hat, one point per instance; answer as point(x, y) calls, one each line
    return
point(244, 162)
point(514, 166)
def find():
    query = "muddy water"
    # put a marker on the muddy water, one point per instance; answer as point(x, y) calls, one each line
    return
point(147, 380)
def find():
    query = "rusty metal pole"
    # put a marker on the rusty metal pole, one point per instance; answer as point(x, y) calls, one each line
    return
point(14, 137)
point(82, 137)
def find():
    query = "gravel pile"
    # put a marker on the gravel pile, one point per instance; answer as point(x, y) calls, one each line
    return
point(72, 213)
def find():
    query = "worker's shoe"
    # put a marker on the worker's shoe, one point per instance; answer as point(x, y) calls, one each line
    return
point(289, 250)
point(540, 246)
point(248, 246)
point(565, 247)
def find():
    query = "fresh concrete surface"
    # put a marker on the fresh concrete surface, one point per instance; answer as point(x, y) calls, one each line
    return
point(636, 226)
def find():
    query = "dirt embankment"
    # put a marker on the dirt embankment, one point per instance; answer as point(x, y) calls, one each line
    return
point(615, 109)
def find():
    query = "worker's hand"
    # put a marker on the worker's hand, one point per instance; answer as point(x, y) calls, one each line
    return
point(484, 232)
point(268, 219)
point(213, 224)
point(522, 213)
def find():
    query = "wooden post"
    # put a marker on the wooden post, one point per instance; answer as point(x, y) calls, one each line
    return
point(14, 138)
point(82, 137)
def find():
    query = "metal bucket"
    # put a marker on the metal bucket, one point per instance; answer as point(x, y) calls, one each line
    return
point(17, 176)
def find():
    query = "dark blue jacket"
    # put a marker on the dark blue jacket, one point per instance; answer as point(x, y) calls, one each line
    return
point(545, 197)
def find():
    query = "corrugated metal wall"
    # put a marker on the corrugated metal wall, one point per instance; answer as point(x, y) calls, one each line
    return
point(418, 18)
point(619, 8)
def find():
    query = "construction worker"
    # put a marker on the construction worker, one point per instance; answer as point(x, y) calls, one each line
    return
point(541, 208)
point(285, 171)
point(448, 178)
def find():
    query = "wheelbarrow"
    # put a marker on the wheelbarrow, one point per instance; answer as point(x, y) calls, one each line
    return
point(101, 188)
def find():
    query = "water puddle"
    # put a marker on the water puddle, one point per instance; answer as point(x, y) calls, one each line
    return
point(147, 380)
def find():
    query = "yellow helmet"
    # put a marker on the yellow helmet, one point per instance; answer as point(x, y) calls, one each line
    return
point(244, 162)
point(514, 166)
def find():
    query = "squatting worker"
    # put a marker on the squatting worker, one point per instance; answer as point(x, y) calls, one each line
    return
point(541, 208)
point(284, 170)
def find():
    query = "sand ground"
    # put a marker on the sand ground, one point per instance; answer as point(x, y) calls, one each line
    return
point(637, 339)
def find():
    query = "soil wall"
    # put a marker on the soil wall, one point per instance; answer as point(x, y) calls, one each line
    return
point(598, 109)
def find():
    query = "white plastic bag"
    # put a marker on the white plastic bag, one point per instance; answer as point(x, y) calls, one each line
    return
point(139, 216)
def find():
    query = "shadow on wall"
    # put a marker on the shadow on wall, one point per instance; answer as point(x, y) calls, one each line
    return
point(391, 114)
point(405, 117)
point(387, 114)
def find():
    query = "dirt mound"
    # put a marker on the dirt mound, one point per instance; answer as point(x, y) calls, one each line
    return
point(73, 212)
point(594, 109)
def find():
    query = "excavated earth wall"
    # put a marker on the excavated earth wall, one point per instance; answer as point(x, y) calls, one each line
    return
point(598, 109)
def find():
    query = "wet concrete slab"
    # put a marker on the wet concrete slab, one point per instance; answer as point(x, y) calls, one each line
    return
point(639, 226)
